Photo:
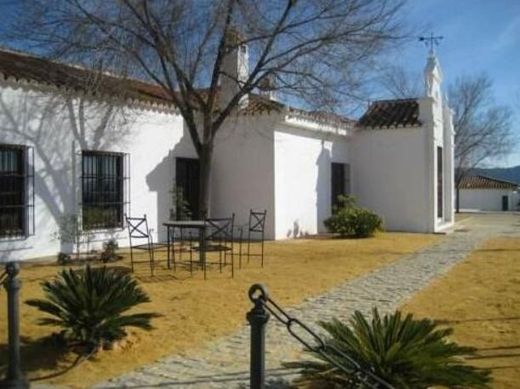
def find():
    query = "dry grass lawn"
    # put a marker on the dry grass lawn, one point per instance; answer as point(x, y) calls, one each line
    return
point(480, 299)
point(197, 311)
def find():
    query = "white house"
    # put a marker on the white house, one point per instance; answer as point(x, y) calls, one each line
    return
point(488, 194)
point(122, 150)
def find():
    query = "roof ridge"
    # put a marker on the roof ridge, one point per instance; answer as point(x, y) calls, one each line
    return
point(400, 100)
point(495, 179)
point(72, 65)
point(27, 66)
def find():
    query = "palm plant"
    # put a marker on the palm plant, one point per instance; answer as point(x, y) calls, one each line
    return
point(89, 305)
point(405, 352)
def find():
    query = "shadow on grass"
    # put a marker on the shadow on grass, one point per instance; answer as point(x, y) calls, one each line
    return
point(39, 357)
point(278, 378)
point(497, 250)
point(476, 320)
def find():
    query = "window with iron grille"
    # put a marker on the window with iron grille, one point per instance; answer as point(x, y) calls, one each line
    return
point(16, 191)
point(102, 182)
point(340, 181)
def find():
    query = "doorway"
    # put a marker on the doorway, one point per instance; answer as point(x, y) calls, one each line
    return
point(505, 203)
point(187, 174)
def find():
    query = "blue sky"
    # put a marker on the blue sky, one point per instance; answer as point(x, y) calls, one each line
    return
point(480, 36)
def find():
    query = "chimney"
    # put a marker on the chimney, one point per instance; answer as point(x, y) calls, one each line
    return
point(235, 68)
point(267, 88)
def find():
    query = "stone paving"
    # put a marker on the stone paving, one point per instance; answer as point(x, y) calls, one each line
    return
point(225, 363)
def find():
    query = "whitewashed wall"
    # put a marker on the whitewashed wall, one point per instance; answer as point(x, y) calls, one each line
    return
point(392, 176)
point(243, 170)
point(59, 129)
point(487, 199)
point(303, 178)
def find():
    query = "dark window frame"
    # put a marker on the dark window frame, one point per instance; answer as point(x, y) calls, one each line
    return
point(340, 181)
point(440, 182)
point(19, 184)
point(104, 169)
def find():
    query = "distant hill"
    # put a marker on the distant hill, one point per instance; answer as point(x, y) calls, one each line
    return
point(508, 173)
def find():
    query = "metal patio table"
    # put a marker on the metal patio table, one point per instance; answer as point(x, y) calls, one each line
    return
point(200, 225)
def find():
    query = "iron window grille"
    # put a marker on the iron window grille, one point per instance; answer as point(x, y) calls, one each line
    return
point(105, 186)
point(16, 191)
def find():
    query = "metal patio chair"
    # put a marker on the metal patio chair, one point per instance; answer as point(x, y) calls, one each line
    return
point(138, 230)
point(219, 238)
point(255, 233)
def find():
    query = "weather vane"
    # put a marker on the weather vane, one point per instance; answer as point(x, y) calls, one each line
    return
point(431, 40)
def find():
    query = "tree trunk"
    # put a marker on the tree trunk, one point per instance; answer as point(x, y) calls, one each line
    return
point(206, 155)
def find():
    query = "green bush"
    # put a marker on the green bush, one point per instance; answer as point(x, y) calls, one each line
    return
point(405, 352)
point(349, 220)
point(109, 253)
point(89, 305)
point(64, 259)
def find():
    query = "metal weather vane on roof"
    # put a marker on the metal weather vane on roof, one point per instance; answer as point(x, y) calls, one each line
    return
point(431, 41)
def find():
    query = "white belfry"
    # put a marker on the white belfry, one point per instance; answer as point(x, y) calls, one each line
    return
point(432, 76)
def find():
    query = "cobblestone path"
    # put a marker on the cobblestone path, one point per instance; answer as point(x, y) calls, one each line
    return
point(225, 363)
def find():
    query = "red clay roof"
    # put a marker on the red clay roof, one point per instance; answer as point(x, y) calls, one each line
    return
point(30, 68)
point(391, 114)
point(25, 67)
point(482, 182)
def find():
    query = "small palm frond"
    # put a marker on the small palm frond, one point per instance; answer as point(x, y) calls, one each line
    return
point(89, 304)
point(405, 352)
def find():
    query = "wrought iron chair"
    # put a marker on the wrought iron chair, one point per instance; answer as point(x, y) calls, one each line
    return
point(183, 242)
point(138, 229)
point(220, 238)
point(255, 233)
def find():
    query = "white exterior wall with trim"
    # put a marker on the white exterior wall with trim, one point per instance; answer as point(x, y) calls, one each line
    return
point(41, 118)
point(277, 164)
point(243, 170)
point(303, 160)
point(392, 176)
point(487, 199)
point(396, 170)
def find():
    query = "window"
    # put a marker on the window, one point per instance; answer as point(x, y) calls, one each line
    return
point(340, 181)
point(102, 190)
point(16, 204)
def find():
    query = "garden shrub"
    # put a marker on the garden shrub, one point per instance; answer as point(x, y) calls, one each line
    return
point(64, 259)
point(350, 220)
point(88, 304)
point(403, 351)
point(109, 252)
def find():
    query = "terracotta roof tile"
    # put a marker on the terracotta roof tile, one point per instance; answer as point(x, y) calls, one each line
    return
point(29, 68)
point(259, 104)
point(482, 182)
point(24, 67)
point(391, 114)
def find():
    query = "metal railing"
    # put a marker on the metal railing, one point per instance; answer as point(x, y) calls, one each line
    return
point(258, 317)
point(14, 377)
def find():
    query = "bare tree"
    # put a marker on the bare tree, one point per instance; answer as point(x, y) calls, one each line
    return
point(400, 83)
point(483, 130)
point(314, 51)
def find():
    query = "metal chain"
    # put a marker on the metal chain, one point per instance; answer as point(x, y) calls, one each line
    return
point(4, 275)
point(367, 377)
